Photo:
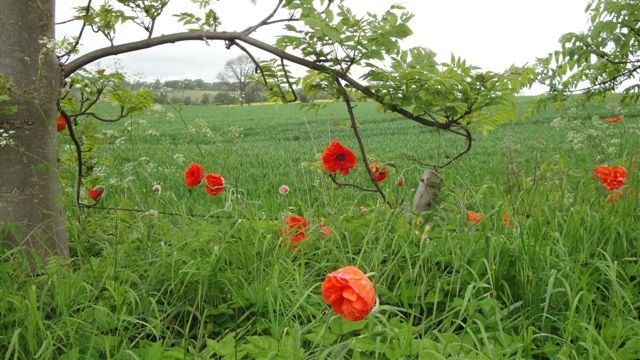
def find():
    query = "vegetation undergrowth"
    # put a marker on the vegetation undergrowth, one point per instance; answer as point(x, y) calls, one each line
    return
point(189, 276)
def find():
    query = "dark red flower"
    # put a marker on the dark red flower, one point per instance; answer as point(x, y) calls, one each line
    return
point(336, 157)
point(62, 124)
point(611, 177)
point(400, 181)
point(193, 175)
point(615, 119)
point(295, 229)
point(96, 193)
point(214, 184)
point(349, 292)
point(379, 173)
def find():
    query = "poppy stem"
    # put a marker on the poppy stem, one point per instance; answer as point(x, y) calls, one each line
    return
point(356, 132)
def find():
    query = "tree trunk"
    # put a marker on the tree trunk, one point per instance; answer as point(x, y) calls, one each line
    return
point(31, 209)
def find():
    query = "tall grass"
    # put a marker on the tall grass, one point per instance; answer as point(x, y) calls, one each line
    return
point(215, 280)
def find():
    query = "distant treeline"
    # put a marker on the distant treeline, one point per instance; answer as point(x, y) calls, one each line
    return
point(200, 92)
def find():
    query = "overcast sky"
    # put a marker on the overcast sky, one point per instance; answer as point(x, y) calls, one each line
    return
point(491, 34)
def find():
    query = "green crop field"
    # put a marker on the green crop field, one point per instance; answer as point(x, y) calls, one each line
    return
point(184, 275)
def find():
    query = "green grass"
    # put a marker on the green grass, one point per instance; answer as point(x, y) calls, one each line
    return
point(215, 280)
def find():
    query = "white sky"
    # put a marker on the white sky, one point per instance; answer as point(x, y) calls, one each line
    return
point(491, 34)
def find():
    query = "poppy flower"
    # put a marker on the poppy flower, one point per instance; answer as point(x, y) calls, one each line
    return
point(349, 292)
point(157, 189)
point(364, 209)
point(193, 175)
point(474, 217)
point(62, 123)
point(214, 184)
point(295, 228)
point(506, 219)
point(325, 231)
point(96, 193)
point(336, 157)
point(379, 173)
point(283, 189)
point(400, 181)
point(615, 119)
point(611, 177)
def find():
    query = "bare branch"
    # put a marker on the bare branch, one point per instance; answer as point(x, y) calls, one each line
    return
point(78, 147)
point(264, 21)
point(77, 42)
point(468, 142)
point(335, 181)
point(356, 132)
point(286, 77)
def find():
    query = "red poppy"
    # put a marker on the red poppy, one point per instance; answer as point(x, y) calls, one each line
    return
point(506, 219)
point(62, 124)
point(400, 181)
point(474, 217)
point(325, 231)
point(379, 173)
point(193, 175)
point(283, 189)
point(96, 193)
point(336, 157)
point(615, 119)
point(611, 177)
point(295, 228)
point(214, 184)
point(349, 292)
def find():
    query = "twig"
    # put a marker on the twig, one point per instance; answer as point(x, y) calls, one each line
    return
point(77, 42)
point(356, 132)
point(264, 21)
point(76, 143)
point(468, 141)
point(335, 181)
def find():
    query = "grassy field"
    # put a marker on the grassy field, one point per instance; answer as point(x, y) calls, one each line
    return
point(183, 275)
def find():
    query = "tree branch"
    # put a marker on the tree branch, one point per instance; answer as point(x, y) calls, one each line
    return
point(77, 42)
point(78, 148)
point(468, 141)
point(356, 132)
point(95, 55)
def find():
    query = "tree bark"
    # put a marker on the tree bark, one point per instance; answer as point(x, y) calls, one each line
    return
point(31, 208)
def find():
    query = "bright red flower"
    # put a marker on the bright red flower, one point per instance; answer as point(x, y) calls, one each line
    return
point(400, 181)
point(214, 184)
point(611, 177)
point(615, 119)
point(96, 193)
point(295, 229)
point(336, 157)
point(506, 219)
point(349, 292)
point(474, 217)
point(379, 173)
point(283, 189)
point(193, 175)
point(62, 124)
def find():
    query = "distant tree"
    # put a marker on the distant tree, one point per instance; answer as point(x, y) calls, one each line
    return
point(205, 99)
point(601, 60)
point(161, 97)
point(187, 100)
point(237, 73)
point(224, 98)
point(256, 92)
